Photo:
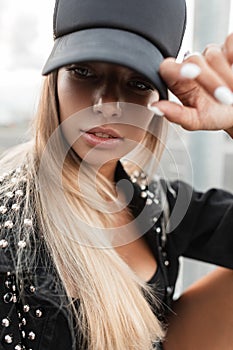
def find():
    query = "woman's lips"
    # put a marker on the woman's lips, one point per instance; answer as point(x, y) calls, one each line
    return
point(106, 131)
point(102, 138)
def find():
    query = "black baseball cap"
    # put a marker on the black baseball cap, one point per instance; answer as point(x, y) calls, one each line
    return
point(137, 34)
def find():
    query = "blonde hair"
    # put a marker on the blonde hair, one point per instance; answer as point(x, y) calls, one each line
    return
point(113, 311)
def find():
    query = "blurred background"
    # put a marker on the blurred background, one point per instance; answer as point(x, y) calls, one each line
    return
point(204, 159)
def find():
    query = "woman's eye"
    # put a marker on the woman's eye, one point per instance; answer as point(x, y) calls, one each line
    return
point(140, 85)
point(81, 72)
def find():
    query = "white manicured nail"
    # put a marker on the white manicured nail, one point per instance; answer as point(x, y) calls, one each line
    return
point(155, 110)
point(224, 95)
point(190, 70)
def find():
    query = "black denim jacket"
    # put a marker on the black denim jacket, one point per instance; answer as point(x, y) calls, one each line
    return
point(177, 221)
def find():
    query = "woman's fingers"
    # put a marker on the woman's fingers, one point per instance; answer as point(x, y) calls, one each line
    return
point(197, 69)
point(204, 85)
point(228, 48)
point(206, 98)
point(217, 60)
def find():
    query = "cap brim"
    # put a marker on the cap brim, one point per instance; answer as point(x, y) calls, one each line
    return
point(108, 45)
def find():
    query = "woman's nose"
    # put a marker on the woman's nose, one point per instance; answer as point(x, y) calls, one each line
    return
point(107, 109)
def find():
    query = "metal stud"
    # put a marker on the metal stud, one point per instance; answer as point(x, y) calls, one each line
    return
point(142, 175)
point(166, 263)
point(8, 224)
point(38, 313)
point(158, 229)
point(149, 201)
point(14, 300)
point(8, 339)
point(150, 194)
point(23, 334)
point(3, 243)
point(28, 222)
point(169, 290)
point(8, 297)
point(5, 322)
point(3, 209)
point(15, 207)
point(19, 193)
point(18, 170)
point(31, 336)
point(8, 284)
point(143, 194)
point(24, 322)
point(32, 289)
point(22, 244)
point(18, 347)
point(26, 308)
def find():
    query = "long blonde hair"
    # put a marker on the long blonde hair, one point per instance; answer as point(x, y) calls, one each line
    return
point(113, 311)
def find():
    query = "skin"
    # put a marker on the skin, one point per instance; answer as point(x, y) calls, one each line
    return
point(202, 316)
point(100, 87)
point(199, 109)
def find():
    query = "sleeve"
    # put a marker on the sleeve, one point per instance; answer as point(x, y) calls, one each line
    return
point(12, 320)
point(10, 316)
point(201, 224)
point(10, 334)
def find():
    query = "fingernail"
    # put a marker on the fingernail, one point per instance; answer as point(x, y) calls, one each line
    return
point(190, 70)
point(155, 110)
point(223, 95)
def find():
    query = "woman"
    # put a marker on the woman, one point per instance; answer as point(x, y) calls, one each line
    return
point(86, 261)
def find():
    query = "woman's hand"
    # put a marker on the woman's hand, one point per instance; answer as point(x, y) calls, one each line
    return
point(204, 85)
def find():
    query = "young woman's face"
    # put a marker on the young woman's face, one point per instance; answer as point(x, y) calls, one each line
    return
point(102, 109)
